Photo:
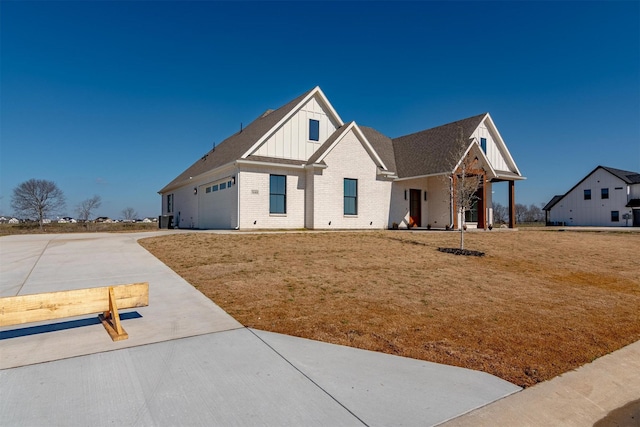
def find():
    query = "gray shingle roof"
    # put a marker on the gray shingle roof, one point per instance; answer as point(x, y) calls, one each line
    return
point(236, 145)
point(627, 176)
point(383, 145)
point(552, 202)
point(428, 152)
point(432, 151)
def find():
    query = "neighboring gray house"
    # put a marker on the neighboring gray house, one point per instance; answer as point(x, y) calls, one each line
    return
point(605, 197)
point(301, 166)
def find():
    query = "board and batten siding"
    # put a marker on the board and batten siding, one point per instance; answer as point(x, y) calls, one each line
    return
point(572, 209)
point(494, 154)
point(349, 159)
point(254, 198)
point(291, 140)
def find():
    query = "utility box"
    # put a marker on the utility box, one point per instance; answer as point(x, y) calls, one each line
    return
point(165, 221)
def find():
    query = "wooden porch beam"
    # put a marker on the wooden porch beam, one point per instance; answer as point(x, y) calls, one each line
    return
point(512, 204)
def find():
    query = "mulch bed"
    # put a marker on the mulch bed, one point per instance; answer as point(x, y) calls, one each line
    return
point(457, 251)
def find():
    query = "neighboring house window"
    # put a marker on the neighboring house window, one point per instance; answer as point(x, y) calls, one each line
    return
point(587, 194)
point(604, 193)
point(169, 203)
point(483, 145)
point(277, 194)
point(615, 216)
point(314, 130)
point(350, 196)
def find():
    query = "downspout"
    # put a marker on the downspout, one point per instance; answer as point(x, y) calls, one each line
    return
point(451, 200)
point(238, 197)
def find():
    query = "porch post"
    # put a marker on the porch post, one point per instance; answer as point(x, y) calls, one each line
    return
point(485, 216)
point(512, 204)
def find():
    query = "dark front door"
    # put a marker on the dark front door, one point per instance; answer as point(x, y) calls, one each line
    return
point(415, 208)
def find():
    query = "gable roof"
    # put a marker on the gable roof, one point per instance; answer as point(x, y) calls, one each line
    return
point(424, 153)
point(383, 145)
point(335, 138)
point(237, 144)
point(552, 202)
point(627, 176)
point(433, 151)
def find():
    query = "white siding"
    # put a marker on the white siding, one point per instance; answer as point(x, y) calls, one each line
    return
point(254, 198)
point(574, 210)
point(494, 154)
point(349, 159)
point(440, 202)
point(291, 140)
point(218, 209)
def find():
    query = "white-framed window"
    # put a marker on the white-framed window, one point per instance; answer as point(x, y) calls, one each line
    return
point(350, 196)
point(314, 130)
point(277, 194)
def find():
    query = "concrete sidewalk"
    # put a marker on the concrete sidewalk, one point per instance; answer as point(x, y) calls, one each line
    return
point(187, 362)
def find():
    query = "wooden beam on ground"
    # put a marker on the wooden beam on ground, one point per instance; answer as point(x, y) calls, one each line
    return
point(22, 309)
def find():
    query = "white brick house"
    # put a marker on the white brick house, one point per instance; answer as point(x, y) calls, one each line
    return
point(606, 197)
point(301, 166)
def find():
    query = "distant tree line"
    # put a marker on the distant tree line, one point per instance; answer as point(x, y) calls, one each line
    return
point(524, 213)
point(38, 199)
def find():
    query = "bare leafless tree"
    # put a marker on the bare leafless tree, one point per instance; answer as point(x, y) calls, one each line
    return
point(129, 214)
point(500, 213)
point(37, 198)
point(86, 207)
point(465, 179)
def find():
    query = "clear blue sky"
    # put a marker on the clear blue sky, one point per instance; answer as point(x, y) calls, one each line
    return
point(117, 98)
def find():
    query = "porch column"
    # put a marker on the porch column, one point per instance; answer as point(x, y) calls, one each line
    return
point(512, 204)
point(485, 216)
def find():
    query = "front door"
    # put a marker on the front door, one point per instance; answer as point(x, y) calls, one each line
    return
point(415, 208)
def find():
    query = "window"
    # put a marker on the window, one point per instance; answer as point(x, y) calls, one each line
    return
point(208, 190)
point(223, 185)
point(471, 214)
point(587, 194)
point(169, 203)
point(214, 188)
point(229, 184)
point(604, 193)
point(277, 194)
point(615, 216)
point(350, 196)
point(483, 145)
point(314, 130)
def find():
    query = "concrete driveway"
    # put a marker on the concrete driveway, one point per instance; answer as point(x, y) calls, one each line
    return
point(187, 362)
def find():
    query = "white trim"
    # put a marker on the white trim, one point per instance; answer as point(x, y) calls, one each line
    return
point(363, 141)
point(500, 141)
point(269, 164)
point(198, 177)
point(422, 176)
point(315, 91)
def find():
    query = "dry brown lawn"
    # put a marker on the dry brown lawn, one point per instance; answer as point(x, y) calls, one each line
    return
point(538, 304)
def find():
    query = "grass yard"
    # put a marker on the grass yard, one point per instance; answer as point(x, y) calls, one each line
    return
point(538, 304)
